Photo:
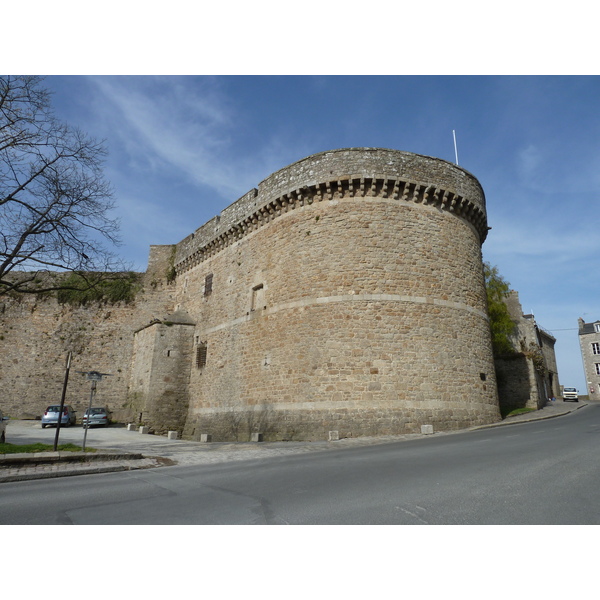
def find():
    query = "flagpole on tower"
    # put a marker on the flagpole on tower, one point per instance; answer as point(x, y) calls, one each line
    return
point(455, 148)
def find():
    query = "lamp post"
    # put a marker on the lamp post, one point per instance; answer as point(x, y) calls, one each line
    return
point(62, 400)
point(94, 377)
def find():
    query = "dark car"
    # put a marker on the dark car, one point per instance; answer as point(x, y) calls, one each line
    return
point(3, 422)
point(50, 416)
point(99, 416)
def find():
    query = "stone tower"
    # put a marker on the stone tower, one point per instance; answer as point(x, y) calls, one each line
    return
point(345, 294)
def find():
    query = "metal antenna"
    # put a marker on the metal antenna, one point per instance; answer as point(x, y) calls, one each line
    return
point(455, 148)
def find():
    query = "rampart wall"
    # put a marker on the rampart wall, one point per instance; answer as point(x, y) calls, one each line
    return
point(36, 334)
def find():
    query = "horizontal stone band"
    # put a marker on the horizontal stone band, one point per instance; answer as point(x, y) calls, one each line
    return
point(350, 298)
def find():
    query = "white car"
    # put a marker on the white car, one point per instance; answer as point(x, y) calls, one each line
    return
point(3, 423)
point(100, 416)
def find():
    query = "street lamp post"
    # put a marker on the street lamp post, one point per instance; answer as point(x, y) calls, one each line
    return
point(62, 400)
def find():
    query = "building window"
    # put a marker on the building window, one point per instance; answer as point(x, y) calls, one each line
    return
point(201, 355)
point(597, 327)
point(597, 365)
point(596, 347)
point(258, 297)
point(208, 284)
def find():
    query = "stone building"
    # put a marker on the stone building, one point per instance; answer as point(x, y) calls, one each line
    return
point(528, 377)
point(345, 294)
point(589, 342)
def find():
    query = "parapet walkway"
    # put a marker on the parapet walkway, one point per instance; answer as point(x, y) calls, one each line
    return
point(120, 450)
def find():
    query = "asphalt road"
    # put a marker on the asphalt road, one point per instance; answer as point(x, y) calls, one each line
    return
point(544, 472)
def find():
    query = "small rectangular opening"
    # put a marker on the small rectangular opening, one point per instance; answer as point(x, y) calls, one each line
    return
point(201, 353)
point(208, 281)
point(258, 297)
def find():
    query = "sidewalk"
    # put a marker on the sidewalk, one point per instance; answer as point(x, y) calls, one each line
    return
point(557, 408)
point(127, 450)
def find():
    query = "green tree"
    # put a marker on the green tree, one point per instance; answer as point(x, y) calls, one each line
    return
point(501, 323)
point(54, 201)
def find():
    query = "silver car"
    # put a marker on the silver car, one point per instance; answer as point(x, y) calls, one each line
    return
point(99, 416)
point(50, 416)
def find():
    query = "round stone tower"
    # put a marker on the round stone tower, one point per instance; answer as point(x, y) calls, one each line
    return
point(345, 294)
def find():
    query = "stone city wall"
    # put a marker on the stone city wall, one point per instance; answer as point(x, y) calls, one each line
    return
point(36, 334)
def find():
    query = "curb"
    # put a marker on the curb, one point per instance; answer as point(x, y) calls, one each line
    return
point(48, 465)
point(65, 473)
point(36, 458)
point(26, 471)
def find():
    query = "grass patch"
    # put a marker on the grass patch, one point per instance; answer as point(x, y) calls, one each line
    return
point(30, 448)
point(517, 411)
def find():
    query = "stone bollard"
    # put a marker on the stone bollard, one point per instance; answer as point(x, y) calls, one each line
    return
point(334, 436)
point(131, 427)
point(256, 437)
point(205, 437)
point(172, 435)
point(426, 429)
point(144, 429)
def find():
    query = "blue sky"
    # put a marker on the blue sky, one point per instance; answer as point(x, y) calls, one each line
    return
point(182, 148)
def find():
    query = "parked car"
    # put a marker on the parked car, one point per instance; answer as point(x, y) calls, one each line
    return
point(3, 422)
point(50, 416)
point(100, 415)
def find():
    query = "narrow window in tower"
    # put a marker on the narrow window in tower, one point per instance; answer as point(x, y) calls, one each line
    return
point(201, 350)
point(596, 348)
point(597, 365)
point(208, 280)
point(258, 297)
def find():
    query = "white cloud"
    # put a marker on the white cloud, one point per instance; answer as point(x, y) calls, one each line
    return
point(175, 123)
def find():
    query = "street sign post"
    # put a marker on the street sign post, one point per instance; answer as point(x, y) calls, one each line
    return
point(94, 377)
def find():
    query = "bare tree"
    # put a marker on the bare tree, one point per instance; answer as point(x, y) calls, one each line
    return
point(54, 199)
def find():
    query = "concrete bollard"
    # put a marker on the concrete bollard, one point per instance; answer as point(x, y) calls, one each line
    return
point(256, 437)
point(144, 429)
point(205, 437)
point(172, 435)
point(334, 436)
point(426, 429)
point(131, 427)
